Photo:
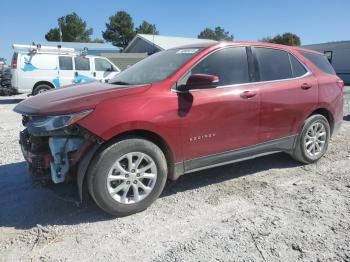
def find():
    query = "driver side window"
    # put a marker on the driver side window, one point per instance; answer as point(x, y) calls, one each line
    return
point(103, 65)
point(229, 64)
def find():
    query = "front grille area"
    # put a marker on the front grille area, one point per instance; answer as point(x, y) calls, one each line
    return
point(36, 150)
point(38, 162)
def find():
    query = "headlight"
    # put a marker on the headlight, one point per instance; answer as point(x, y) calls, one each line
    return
point(42, 124)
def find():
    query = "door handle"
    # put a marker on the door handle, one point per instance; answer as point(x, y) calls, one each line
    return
point(306, 86)
point(76, 73)
point(94, 74)
point(248, 94)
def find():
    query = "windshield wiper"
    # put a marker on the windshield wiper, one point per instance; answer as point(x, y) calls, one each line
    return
point(121, 83)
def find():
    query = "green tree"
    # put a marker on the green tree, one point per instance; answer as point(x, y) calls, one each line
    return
point(285, 39)
point(267, 39)
point(147, 28)
point(218, 34)
point(74, 29)
point(119, 29)
point(97, 40)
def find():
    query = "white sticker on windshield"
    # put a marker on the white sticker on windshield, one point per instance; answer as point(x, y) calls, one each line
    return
point(187, 51)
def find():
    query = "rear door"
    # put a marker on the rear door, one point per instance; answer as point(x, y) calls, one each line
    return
point(66, 70)
point(288, 92)
point(83, 70)
point(215, 120)
point(104, 70)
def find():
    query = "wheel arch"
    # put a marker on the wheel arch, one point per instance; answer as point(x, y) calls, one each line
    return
point(48, 83)
point(152, 137)
point(85, 162)
point(327, 114)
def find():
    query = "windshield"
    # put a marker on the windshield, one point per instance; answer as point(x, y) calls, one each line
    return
point(156, 67)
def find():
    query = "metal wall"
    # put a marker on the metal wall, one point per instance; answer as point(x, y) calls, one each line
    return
point(124, 60)
point(339, 57)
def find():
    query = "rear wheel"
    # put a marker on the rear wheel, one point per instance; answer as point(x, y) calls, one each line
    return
point(41, 89)
point(127, 176)
point(312, 142)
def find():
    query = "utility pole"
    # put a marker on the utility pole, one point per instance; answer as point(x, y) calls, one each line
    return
point(60, 20)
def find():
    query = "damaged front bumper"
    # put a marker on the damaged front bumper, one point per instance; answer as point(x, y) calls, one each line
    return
point(55, 156)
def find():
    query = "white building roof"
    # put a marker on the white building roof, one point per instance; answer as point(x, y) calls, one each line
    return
point(167, 42)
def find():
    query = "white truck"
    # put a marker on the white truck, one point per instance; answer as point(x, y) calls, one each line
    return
point(37, 68)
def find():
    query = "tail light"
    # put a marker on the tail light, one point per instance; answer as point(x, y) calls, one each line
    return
point(340, 83)
point(14, 61)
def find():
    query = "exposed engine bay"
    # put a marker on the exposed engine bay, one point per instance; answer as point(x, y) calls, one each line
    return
point(53, 154)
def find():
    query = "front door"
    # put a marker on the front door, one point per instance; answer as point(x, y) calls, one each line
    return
point(216, 120)
point(104, 70)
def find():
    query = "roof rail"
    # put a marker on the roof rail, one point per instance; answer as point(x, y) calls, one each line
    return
point(45, 49)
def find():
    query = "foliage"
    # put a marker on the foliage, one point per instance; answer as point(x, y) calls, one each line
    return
point(285, 39)
point(120, 29)
point(97, 40)
point(218, 34)
point(74, 29)
point(147, 28)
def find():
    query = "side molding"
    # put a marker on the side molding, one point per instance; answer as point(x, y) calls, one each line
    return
point(279, 145)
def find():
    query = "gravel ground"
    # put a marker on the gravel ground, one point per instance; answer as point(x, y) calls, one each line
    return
point(267, 209)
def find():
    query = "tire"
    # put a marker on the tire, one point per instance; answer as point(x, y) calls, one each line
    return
point(104, 167)
point(306, 139)
point(40, 89)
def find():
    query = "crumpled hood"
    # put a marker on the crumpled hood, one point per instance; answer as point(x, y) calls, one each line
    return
point(74, 98)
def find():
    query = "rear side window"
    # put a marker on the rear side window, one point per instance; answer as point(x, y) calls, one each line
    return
point(82, 63)
point(320, 61)
point(298, 68)
point(229, 64)
point(65, 62)
point(273, 64)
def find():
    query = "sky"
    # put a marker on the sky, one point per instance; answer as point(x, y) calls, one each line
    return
point(23, 22)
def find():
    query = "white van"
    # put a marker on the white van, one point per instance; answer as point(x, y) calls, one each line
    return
point(37, 68)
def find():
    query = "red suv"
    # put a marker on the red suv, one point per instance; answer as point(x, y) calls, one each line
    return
point(179, 111)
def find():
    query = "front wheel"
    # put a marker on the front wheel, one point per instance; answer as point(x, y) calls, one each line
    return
point(312, 142)
point(127, 176)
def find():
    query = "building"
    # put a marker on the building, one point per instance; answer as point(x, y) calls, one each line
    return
point(150, 44)
point(338, 53)
point(124, 60)
point(92, 48)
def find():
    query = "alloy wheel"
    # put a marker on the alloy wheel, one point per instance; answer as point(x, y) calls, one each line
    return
point(132, 178)
point(315, 139)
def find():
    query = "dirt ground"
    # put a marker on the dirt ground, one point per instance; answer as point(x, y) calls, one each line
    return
point(267, 209)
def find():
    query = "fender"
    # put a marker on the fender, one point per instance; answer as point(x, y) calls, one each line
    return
point(84, 162)
point(83, 167)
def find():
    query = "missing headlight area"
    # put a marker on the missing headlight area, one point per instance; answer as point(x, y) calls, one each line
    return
point(60, 147)
point(55, 155)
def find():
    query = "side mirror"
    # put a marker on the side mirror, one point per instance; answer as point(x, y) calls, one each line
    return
point(199, 81)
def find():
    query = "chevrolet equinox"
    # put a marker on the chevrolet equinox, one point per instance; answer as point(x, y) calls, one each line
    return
point(179, 111)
